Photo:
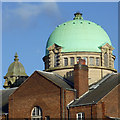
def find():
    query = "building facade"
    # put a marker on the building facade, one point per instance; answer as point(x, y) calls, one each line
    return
point(79, 80)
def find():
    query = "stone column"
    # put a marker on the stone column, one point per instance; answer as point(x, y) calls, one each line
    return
point(68, 61)
point(102, 57)
point(88, 61)
point(75, 60)
point(110, 58)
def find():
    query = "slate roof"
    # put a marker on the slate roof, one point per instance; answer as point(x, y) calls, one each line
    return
point(57, 79)
point(4, 95)
point(98, 91)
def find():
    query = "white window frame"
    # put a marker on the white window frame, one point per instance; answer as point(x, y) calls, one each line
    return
point(82, 116)
point(36, 116)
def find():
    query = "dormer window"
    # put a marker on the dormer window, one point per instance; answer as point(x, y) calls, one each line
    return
point(54, 56)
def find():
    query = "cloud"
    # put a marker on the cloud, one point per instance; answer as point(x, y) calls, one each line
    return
point(23, 14)
point(27, 10)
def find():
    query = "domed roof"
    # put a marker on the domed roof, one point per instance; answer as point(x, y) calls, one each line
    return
point(16, 68)
point(78, 35)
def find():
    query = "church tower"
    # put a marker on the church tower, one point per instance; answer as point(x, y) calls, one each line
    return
point(15, 75)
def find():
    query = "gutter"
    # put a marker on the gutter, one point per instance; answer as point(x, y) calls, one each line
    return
point(70, 89)
point(84, 104)
point(74, 90)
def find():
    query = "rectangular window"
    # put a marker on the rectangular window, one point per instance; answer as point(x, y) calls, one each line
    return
point(91, 61)
point(85, 58)
point(78, 59)
point(72, 61)
point(56, 60)
point(65, 61)
point(106, 59)
point(97, 61)
point(80, 116)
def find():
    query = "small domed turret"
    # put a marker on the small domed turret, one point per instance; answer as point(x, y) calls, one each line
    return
point(15, 71)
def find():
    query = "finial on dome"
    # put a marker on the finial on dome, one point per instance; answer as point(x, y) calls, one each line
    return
point(78, 15)
point(16, 57)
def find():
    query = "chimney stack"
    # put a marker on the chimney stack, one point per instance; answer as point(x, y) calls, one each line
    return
point(81, 77)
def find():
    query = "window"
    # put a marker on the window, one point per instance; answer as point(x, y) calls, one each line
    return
point(65, 61)
point(72, 61)
point(91, 61)
point(80, 116)
point(36, 113)
point(97, 61)
point(47, 64)
point(56, 60)
point(85, 58)
point(106, 60)
point(78, 59)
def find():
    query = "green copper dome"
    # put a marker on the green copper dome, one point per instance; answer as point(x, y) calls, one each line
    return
point(16, 68)
point(78, 35)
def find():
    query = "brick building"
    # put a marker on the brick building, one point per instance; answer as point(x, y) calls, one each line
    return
point(79, 81)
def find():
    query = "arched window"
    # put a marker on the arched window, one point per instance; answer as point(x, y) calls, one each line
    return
point(106, 59)
point(36, 113)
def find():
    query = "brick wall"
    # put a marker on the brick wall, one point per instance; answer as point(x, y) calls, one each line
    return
point(36, 91)
point(108, 106)
point(89, 110)
point(112, 103)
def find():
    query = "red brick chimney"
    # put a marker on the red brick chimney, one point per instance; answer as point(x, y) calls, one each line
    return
point(81, 77)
